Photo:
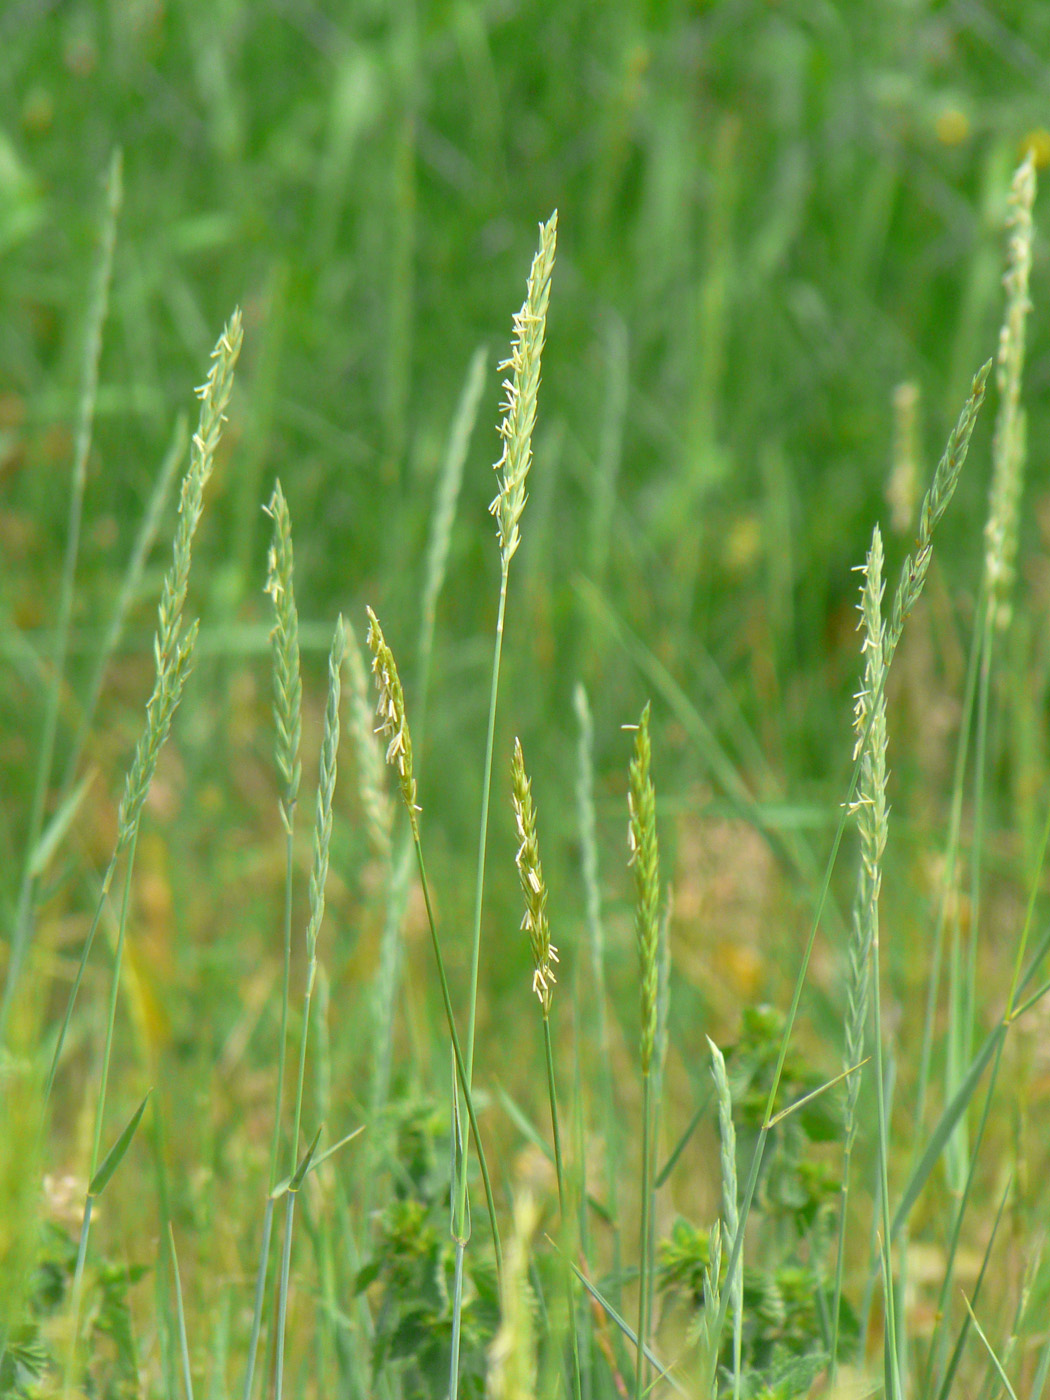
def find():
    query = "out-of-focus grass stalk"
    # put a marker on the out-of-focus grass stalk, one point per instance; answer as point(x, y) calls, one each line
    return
point(1001, 539)
point(596, 934)
point(98, 303)
point(645, 858)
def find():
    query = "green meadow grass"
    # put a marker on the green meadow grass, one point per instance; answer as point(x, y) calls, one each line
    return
point(316, 1078)
point(426, 1259)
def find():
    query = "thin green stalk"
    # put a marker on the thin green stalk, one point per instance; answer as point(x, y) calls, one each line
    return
point(460, 1063)
point(282, 1294)
point(644, 1273)
point(184, 1349)
point(645, 858)
point(889, 1296)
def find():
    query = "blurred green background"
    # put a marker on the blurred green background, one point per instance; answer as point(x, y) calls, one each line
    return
point(772, 215)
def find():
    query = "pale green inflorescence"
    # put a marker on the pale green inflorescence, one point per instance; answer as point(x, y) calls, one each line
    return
point(1008, 443)
point(645, 858)
point(390, 709)
point(872, 814)
point(519, 407)
point(284, 641)
point(530, 872)
point(172, 654)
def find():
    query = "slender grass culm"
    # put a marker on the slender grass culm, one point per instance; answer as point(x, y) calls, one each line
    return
point(544, 954)
point(645, 858)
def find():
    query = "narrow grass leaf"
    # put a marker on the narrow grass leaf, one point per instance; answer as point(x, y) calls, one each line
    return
point(184, 1348)
point(115, 1155)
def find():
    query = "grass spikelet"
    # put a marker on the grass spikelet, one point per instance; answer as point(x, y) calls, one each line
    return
point(645, 858)
point(530, 872)
point(935, 503)
point(519, 407)
point(1008, 443)
point(284, 641)
point(390, 710)
point(730, 1208)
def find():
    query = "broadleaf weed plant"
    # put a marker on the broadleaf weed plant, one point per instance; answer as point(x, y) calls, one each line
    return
point(806, 1295)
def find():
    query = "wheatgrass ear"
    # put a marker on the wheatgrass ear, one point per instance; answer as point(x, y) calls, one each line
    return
point(393, 723)
point(872, 814)
point(1008, 442)
point(533, 887)
point(284, 642)
point(519, 407)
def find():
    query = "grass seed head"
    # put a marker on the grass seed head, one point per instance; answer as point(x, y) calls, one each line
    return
point(530, 872)
point(393, 722)
point(284, 641)
point(519, 406)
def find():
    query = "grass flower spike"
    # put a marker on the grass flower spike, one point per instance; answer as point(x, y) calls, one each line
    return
point(1008, 443)
point(519, 407)
point(390, 709)
point(284, 639)
point(530, 872)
